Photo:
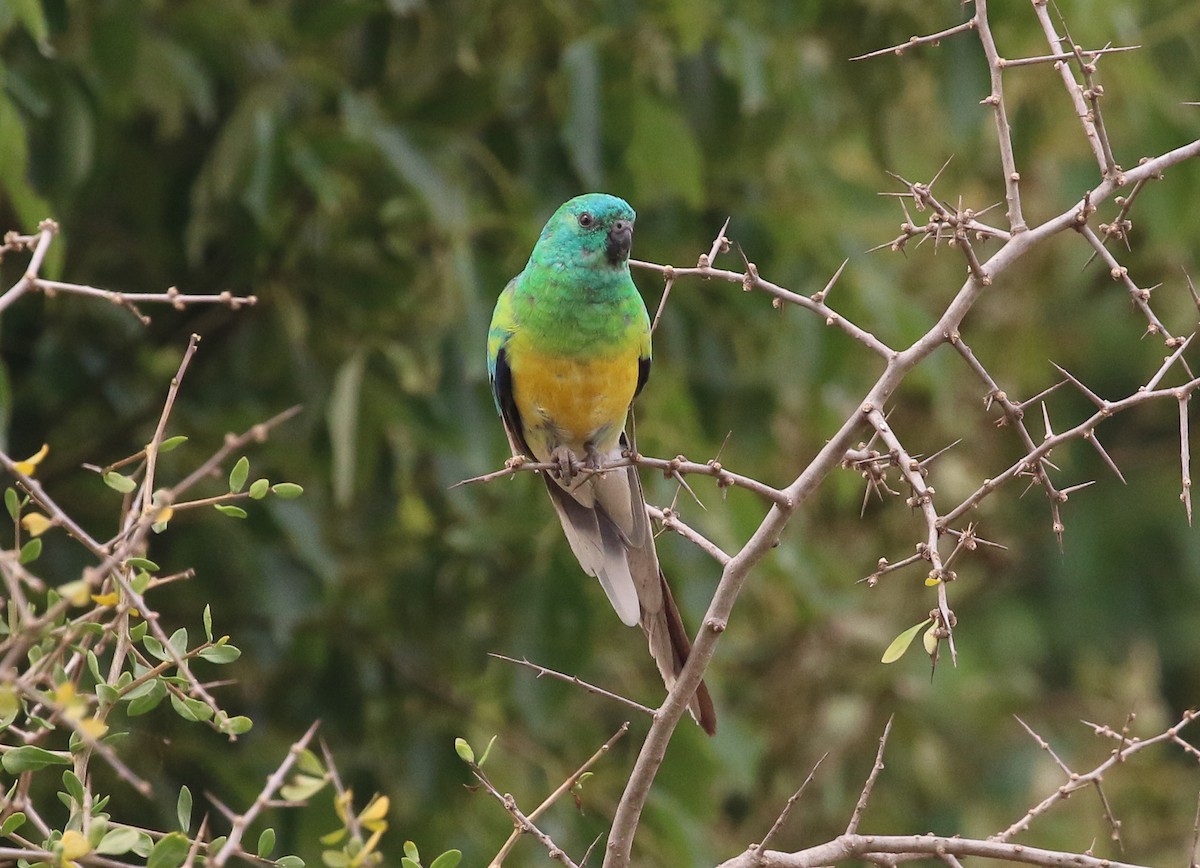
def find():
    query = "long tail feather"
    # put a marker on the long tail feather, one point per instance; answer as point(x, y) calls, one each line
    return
point(670, 647)
point(620, 552)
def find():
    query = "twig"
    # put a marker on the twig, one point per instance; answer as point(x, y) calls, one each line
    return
point(578, 682)
point(562, 789)
point(861, 806)
point(787, 808)
point(914, 41)
point(241, 822)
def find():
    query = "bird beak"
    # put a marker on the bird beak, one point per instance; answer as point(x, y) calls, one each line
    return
point(620, 239)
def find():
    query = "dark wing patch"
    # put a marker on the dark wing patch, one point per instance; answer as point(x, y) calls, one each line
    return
point(502, 388)
point(643, 375)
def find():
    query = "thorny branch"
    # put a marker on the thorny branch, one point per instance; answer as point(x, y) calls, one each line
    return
point(853, 845)
point(961, 224)
point(960, 227)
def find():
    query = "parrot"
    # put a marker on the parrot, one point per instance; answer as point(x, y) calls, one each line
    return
point(568, 350)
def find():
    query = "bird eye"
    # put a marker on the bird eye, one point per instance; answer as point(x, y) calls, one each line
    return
point(586, 220)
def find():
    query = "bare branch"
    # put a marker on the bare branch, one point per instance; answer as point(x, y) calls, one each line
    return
point(869, 786)
point(578, 682)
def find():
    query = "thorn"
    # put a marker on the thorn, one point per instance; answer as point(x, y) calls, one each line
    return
point(1092, 396)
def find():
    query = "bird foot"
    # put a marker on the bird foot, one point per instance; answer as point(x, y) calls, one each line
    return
point(594, 459)
point(567, 464)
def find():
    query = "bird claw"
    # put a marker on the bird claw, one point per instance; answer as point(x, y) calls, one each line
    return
point(566, 463)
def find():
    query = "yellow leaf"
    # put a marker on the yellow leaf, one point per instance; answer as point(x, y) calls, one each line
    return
point(74, 845)
point(29, 465)
point(930, 640)
point(341, 802)
point(931, 580)
point(110, 599)
point(900, 644)
point(36, 523)
point(64, 693)
point(375, 811)
point(77, 593)
point(93, 727)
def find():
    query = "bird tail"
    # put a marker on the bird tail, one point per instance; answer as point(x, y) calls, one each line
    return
point(621, 554)
point(670, 647)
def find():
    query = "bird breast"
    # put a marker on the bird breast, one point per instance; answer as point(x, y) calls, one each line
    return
point(574, 400)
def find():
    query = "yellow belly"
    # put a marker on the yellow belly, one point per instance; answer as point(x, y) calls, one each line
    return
point(573, 401)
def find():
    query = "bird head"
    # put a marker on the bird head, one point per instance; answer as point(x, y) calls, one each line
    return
point(592, 230)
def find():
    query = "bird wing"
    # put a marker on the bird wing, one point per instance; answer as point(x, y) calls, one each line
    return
point(504, 324)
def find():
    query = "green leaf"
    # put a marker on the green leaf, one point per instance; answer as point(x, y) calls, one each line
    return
point(301, 788)
point(143, 564)
point(93, 663)
point(410, 850)
point(238, 725)
point(171, 443)
point(183, 809)
point(487, 750)
point(307, 763)
point(31, 551)
point(336, 859)
point(266, 843)
point(464, 751)
point(155, 691)
point(230, 510)
point(141, 581)
point(289, 862)
point(179, 641)
point(194, 710)
point(208, 622)
point(117, 841)
point(12, 502)
point(11, 823)
point(73, 786)
point(30, 758)
point(221, 654)
point(170, 852)
point(259, 489)
point(449, 859)
point(405, 862)
point(107, 695)
point(156, 649)
point(237, 476)
point(286, 490)
point(900, 644)
point(119, 482)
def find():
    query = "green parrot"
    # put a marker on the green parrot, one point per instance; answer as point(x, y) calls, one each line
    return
point(568, 350)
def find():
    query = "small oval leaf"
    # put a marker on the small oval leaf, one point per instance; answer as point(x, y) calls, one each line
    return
point(237, 476)
point(900, 644)
point(119, 482)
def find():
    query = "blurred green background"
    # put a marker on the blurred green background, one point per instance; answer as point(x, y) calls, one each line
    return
point(376, 171)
